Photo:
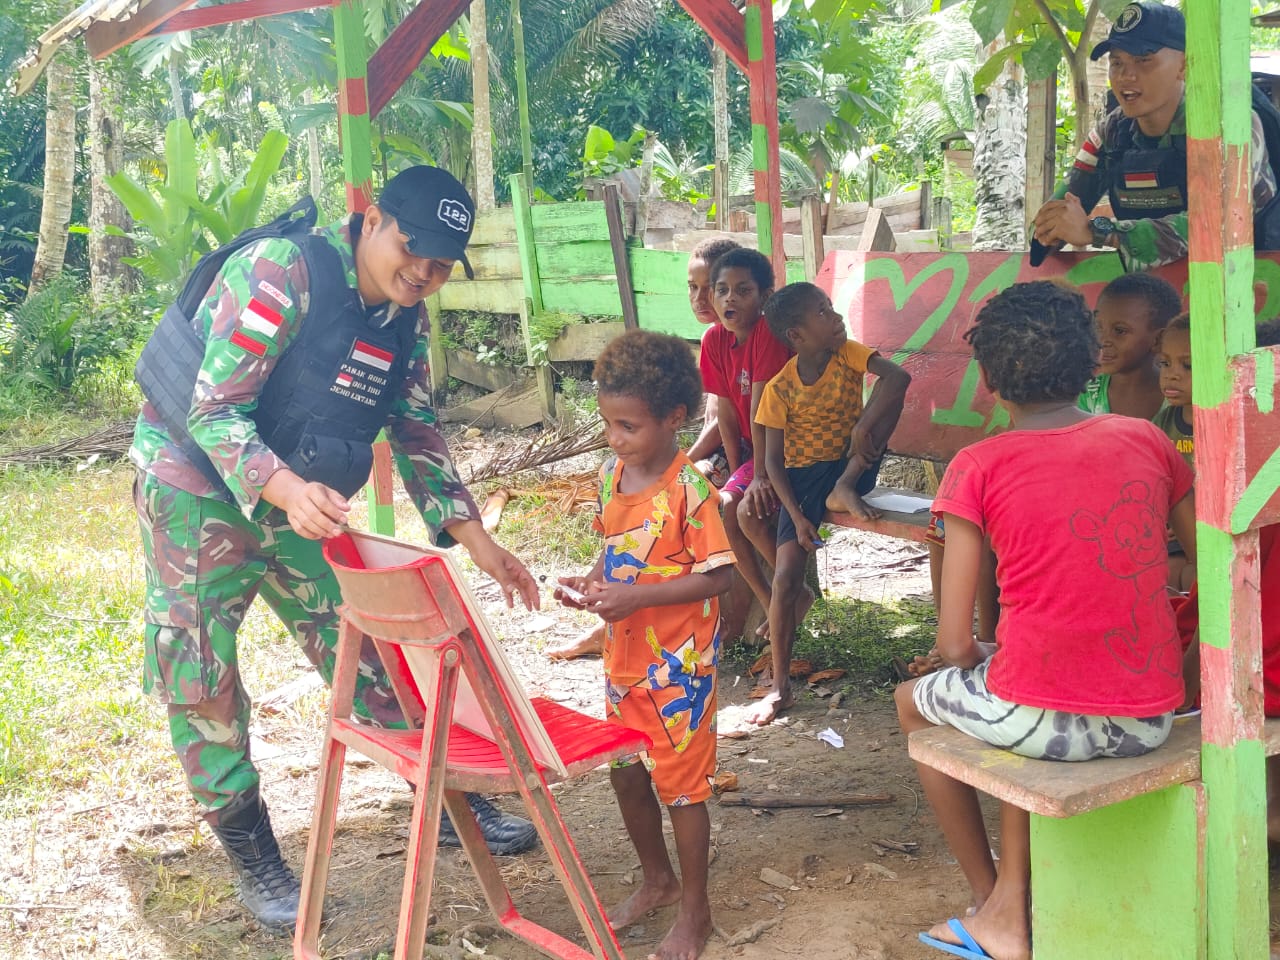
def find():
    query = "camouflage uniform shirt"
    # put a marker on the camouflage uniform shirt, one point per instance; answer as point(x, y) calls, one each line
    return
point(1144, 244)
point(243, 342)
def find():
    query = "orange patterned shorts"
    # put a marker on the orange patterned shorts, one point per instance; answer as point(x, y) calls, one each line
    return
point(681, 721)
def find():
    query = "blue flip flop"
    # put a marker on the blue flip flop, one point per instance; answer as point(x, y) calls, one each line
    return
point(967, 947)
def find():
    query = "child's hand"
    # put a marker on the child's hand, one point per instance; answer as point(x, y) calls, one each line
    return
point(759, 497)
point(571, 592)
point(864, 447)
point(612, 601)
point(806, 533)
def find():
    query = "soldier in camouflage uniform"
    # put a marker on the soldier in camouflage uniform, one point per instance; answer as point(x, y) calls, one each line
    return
point(216, 538)
point(1137, 153)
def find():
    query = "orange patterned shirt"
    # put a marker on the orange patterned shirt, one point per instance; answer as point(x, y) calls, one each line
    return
point(672, 529)
point(816, 420)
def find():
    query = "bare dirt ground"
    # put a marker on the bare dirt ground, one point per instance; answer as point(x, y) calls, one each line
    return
point(133, 874)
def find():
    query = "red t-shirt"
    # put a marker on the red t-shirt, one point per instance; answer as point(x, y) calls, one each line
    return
point(730, 368)
point(1076, 518)
point(1269, 584)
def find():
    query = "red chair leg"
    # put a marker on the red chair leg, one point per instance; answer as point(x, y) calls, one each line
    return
point(315, 875)
point(439, 687)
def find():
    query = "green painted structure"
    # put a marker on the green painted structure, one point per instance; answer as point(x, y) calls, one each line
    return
point(1176, 874)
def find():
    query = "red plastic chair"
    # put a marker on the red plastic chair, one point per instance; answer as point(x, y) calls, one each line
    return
point(428, 631)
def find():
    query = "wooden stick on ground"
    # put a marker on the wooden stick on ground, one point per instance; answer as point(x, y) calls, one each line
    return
point(765, 801)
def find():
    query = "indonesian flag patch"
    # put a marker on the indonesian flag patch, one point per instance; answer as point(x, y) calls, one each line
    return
point(246, 343)
point(260, 318)
point(371, 356)
point(1087, 158)
point(343, 380)
point(1141, 181)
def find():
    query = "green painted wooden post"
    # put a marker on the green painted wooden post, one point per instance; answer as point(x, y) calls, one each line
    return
point(1123, 883)
point(531, 305)
point(522, 93)
point(1221, 275)
point(355, 134)
point(762, 71)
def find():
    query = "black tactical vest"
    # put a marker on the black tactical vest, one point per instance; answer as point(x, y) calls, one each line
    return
point(1144, 183)
point(329, 393)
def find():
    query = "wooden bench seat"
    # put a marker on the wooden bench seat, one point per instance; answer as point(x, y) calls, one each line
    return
point(891, 523)
point(1054, 789)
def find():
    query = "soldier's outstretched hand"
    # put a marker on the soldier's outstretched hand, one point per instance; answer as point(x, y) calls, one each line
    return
point(498, 563)
point(314, 510)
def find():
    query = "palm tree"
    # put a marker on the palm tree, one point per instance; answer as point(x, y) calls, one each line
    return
point(59, 171)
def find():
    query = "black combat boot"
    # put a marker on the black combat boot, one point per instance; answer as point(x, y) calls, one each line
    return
point(268, 888)
point(504, 833)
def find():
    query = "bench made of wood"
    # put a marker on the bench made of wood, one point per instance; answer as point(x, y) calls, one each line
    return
point(1052, 788)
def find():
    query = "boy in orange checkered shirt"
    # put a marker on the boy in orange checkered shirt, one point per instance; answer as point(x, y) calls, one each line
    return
point(822, 448)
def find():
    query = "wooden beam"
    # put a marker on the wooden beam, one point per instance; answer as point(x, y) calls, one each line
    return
point(621, 262)
point(811, 233)
point(876, 234)
point(394, 62)
point(1042, 145)
point(239, 12)
point(723, 24)
point(107, 36)
point(1221, 269)
point(763, 74)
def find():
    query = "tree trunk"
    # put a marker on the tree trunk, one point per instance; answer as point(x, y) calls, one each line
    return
point(59, 172)
point(1000, 166)
point(481, 123)
point(720, 114)
point(107, 273)
point(175, 87)
point(315, 163)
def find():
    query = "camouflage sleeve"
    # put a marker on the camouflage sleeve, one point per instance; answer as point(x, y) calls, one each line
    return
point(250, 317)
point(422, 457)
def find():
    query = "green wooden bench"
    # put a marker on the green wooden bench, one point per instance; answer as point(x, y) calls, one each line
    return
point(1134, 828)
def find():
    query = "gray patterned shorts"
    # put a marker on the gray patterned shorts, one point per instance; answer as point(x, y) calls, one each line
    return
point(959, 698)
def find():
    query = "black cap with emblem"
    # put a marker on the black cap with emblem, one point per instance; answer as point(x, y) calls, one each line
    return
point(433, 210)
point(1143, 28)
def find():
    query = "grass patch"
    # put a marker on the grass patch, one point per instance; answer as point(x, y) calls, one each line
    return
point(858, 636)
point(72, 712)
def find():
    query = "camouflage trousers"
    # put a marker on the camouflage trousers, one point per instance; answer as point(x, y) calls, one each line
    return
point(205, 564)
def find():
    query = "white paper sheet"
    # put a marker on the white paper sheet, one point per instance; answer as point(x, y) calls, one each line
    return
point(898, 502)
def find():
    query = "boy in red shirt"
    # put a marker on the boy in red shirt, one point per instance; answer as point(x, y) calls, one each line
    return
point(1086, 661)
point(739, 356)
point(665, 563)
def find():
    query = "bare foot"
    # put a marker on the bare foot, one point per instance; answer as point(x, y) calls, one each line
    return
point(999, 940)
point(687, 936)
point(763, 713)
point(588, 644)
point(844, 499)
point(648, 897)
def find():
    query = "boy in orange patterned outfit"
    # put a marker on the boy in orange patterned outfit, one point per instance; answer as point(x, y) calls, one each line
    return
point(665, 563)
point(822, 449)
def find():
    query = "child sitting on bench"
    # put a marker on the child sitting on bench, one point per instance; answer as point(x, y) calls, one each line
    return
point(665, 563)
point(1087, 661)
point(822, 449)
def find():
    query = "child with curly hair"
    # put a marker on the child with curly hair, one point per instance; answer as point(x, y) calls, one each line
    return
point(665, 563)
point(1084, 665)
point(1173, 361)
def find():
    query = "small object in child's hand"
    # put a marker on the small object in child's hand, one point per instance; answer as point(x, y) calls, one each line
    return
point(819, 542)
point(575, 596)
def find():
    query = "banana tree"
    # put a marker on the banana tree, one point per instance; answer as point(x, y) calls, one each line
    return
point(178, 226)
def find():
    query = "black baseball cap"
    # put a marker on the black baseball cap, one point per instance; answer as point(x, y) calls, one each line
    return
point(434, 210)
point(1143, 28)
